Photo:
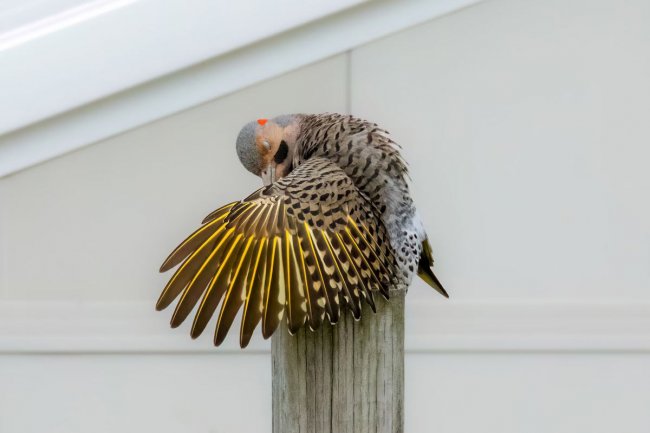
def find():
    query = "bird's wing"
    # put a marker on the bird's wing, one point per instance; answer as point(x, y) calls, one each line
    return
point(304, 246)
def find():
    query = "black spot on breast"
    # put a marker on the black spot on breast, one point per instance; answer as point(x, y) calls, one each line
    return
point(281, 154)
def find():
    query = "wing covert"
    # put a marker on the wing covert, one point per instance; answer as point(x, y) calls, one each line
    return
point(303, 248)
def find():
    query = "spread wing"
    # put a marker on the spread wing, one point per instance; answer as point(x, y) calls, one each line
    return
point(305, 247)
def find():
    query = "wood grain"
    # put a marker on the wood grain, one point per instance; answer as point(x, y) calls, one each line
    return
point(347, 378)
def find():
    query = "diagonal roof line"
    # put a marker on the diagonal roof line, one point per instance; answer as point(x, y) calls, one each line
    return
point(184, 88)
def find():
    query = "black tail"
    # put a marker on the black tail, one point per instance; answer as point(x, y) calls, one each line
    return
point(424, 269)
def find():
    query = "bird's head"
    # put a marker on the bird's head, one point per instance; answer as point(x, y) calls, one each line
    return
point(266, 146)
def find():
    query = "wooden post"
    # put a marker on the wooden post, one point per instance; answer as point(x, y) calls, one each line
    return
point(347, 378)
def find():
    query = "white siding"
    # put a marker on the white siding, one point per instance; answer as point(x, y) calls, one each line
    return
point(525, 124)
point(108, 393)
point(527, 393)
point(97, 223)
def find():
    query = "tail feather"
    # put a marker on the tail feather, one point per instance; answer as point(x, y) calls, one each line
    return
point(424, 269)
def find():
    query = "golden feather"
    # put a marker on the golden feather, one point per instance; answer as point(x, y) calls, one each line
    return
point(282, 253)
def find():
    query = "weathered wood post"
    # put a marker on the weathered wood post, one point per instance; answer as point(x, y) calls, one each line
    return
point(347, 378)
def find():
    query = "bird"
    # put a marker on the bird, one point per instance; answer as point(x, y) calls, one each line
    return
point(333, 226)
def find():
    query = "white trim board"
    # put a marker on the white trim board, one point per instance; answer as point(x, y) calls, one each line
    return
point(106, 46)
point(433, 326)
point(165, 90)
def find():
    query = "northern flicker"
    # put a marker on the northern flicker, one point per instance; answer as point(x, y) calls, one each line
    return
point(333, 226)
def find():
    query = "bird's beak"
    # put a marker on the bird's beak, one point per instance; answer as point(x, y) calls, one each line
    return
point(268, 175)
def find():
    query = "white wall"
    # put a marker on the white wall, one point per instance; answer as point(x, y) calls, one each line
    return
point(525, 124)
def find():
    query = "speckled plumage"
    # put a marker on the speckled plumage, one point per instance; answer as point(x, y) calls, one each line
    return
point(338, 226)
point(372, 160)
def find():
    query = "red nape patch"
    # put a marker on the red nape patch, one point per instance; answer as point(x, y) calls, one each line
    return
point(262, 121)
